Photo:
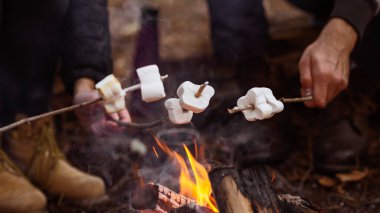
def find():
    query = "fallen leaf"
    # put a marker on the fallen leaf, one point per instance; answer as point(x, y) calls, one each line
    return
point(326, 181)
point(340, 189)
point(353, 176)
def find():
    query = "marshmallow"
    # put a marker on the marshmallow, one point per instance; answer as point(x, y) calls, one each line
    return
point(152, 88)
point(109, 87)
point(177, 114)
point(112, 93)
point(186, 93)
point(114, 106)
point(265, 104)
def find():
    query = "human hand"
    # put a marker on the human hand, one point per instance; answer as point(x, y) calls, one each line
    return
point(93, 116)
point(325, 64)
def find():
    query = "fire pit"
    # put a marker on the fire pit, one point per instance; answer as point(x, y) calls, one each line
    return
point(192, 187)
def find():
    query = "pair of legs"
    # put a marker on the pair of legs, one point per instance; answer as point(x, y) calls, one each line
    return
point(30, 160)
point(239, 29)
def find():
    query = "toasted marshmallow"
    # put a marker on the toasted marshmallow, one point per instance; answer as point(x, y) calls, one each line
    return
point(115, 106)
point(112, 93)
point(264, 103)
point(177, 114)
point(186, 93)
point(152, 87)
point(109, 87)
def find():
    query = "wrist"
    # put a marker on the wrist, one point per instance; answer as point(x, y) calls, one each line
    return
point(83, 85)
point(340, 34)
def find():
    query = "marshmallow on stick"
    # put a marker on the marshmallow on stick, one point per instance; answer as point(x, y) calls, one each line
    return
point(265, 104)
point(195, 97)
point(112, 93)
point(177, 114)
point(152, 87)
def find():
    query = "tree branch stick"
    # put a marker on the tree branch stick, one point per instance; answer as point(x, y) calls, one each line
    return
point(283, 100)
point(52, 113)
point(66, 109)
point(200, 90)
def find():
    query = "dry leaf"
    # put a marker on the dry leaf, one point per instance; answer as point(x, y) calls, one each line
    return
point(354, 176)
point(326, 181)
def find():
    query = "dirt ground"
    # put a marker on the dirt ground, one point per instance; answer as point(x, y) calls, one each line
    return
point(186, 54)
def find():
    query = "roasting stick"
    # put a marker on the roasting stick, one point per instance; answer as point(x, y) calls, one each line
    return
point(283, 100)
point(200, 90)
point(67, 109)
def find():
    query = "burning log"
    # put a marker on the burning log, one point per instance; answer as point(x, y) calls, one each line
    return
point(162, 199)
point(170, 197)
point(248, 190)
point(245, 190)
point(191, 209)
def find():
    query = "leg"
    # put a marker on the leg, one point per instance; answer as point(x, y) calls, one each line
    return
point(238, 29)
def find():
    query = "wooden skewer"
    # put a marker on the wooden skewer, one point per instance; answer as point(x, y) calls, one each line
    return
point(283, 100)
point(66, 109)
point(200, 90)
point(296, 100)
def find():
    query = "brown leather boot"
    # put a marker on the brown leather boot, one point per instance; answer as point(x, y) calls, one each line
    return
point(34, 148)
point(17, 195)
point(342, 142)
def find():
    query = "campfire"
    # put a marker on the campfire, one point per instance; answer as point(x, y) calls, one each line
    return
point(224, 189)
point(195, 190)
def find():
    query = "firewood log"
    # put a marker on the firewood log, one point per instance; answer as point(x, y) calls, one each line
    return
point(245, 190)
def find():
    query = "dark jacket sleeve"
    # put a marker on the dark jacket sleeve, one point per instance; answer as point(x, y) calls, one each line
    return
point(356, 12)
point(87, 51)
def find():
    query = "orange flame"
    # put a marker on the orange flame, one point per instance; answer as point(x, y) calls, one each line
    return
point(199, 189)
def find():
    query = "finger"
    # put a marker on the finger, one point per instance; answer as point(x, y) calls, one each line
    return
point(305, 73)
point(112, 126)
point(306, 78)
point(125, 116)
point(114, 116)
point(335, 85)
point(320, 84)
point(109, 121)
point(340, 82)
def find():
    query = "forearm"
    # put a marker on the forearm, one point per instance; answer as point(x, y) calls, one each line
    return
point(87, 52)
point(340, 35)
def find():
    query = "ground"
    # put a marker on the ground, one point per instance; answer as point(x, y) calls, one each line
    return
point(185, 48)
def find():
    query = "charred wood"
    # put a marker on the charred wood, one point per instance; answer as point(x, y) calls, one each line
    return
point(249, 190)
point(162, 199)
point(245, 190)
point(191, 209)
